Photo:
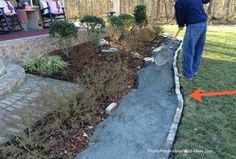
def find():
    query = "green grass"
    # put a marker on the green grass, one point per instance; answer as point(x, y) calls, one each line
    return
point(211, 125)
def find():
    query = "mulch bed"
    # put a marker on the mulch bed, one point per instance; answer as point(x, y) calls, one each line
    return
point(86, 57)
point(76, 141)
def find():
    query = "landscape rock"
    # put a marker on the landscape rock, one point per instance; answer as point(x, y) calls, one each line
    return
point(110, 50)
point(111, 108)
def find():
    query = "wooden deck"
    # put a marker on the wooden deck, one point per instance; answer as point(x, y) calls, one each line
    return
point(22, 34)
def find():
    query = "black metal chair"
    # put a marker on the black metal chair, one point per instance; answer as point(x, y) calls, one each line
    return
point(47, 16)
point(9, 22)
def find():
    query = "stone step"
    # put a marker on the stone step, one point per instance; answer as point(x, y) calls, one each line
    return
point(12, 77)
point(36, 97)
point(2, 68)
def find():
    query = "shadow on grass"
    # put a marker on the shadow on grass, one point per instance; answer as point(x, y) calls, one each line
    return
point(209, 125)
point(220, 45)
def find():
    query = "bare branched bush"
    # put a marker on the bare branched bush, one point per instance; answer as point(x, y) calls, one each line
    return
point(141, 37)
point(107, 77)
point(38, 131)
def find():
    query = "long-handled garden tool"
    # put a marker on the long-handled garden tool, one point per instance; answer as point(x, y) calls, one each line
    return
point(164, 53)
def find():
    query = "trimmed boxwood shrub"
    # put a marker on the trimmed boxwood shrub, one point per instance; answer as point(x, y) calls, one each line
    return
point(140, 15)
point(95, 26)
point(63, 31)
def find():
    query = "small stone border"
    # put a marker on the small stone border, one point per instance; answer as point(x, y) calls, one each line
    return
point(175, 123)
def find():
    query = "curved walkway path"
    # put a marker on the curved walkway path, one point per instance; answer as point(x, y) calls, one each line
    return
point(141, 124)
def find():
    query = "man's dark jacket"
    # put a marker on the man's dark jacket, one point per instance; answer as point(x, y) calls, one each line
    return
point(205, 1)
point(190, 12)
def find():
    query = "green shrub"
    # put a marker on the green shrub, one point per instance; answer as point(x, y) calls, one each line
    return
point(63, 31)
point(122, 24)
point(140, 15)
point(107, 20)
point(95, 26)
point(127, 20)
point(45, 65)
point(93, 22)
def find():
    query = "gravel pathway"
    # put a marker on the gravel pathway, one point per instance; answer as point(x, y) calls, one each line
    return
point(140, 125)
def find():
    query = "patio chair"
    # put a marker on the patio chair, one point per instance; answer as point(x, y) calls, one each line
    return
point(9, 20)
point(51, 11)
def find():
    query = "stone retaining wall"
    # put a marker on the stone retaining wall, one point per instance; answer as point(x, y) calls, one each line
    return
point(13, 51)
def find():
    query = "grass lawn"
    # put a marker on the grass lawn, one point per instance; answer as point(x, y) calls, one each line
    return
point(211, 125)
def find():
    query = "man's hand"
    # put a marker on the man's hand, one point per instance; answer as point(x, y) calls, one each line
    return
point(181, 27)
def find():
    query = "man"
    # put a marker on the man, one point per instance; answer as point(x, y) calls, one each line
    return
point(190, 13)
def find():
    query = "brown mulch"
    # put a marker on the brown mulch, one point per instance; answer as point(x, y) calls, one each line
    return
point(82, 57)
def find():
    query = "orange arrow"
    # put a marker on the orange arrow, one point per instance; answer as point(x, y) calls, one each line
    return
point(197, 95)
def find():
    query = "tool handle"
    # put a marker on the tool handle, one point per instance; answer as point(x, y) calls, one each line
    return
point(177, 33)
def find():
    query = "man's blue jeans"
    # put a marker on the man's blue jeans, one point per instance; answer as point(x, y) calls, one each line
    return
point(193, 45)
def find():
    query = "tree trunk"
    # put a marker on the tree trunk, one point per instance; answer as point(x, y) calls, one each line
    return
point(227, 7)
